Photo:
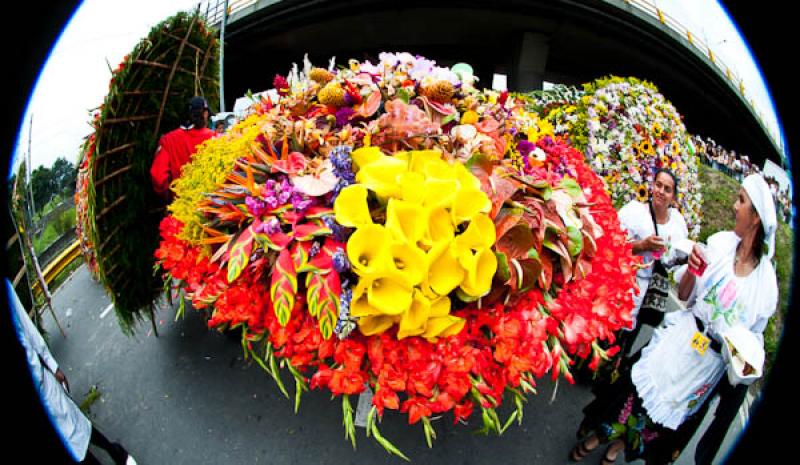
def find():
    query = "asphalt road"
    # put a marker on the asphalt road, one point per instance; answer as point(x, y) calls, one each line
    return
point(189, 397)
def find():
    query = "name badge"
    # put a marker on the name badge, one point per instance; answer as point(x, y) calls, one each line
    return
point(700, 342)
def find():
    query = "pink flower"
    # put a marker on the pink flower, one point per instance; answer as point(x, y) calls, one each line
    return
point(728, 294)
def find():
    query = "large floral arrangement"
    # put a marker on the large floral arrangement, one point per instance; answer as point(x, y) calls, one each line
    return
point(83, 223)
point(628, 130)
point(389, 227)
point(118, 212)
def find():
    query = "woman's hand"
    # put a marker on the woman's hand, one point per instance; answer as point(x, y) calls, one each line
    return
point(62, 378)
point(649, 244)
point(697, 259)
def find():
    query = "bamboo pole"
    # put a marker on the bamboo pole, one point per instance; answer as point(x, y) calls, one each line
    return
point(169, 80)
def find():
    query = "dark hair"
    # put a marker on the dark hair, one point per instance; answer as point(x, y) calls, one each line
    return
point(758, 244)
point(672, 175)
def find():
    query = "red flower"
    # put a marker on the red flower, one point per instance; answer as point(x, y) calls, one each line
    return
point(417, 408)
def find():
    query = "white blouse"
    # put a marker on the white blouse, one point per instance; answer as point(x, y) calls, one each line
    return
point(636, 219)
point(672, 378)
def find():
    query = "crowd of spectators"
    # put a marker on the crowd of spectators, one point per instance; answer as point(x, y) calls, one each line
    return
point(738, 166)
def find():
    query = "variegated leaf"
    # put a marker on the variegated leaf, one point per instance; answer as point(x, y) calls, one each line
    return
point(283, 289)
point(240, 254)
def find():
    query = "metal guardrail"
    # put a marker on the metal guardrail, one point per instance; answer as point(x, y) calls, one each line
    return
point(58, 265)
point(215, 8)
point(649, 7)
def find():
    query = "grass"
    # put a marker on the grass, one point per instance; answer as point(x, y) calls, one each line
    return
point(55, 229)
point(719, 192)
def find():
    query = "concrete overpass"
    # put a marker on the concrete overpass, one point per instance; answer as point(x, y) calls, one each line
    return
point(531, 41)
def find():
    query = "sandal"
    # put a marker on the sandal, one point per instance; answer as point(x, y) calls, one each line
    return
point(579, 452)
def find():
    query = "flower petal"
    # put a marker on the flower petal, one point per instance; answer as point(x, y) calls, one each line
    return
point(413, 321)
point(381, 176)
point(410, 262)
point(405, 220)
point(442, 327)
point(444, 272)
point(480, 272)
point(368, 250)
point(372, 325)
point(389, 294)
point(468, 202)
point(350, 207)
point(365, 155)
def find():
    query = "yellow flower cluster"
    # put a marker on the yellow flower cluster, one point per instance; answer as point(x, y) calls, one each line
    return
point(437, 238)
point(210, 165)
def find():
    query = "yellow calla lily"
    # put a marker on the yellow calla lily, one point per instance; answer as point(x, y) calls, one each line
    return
point(442, 327)
point(421, 158)
point(368, 250)
point(365, 155)
point(480, 234)
point(440, 307)
point(440, 227)
point(405, 221)
point(410, 262)
point(436, 168)
point(444, 272)
point(381, 175)
point(372, 325)
point(389, 294)
point(465, 178)
point(481, 268)
point(412, 323)
point(412, 186)
point(439, 192)
point(350, 207)
point(359, 304)
point(468, 203)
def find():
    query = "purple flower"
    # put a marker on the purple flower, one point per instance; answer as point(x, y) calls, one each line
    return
point(342, 162)
point(255, 206)
point(315, 247)
point(340, 262)
point(525, 147)
point(343, 115)
point(273, 225)
point(339, 232)
point(300, 202)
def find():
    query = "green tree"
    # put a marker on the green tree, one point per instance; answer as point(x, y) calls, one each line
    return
point(64, 176)
point(43, 185)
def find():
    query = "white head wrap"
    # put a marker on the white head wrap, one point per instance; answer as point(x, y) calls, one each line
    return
point(761, 197)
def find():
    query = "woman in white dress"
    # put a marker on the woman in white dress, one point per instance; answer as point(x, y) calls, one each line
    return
point(730, 284)
point(653, 228)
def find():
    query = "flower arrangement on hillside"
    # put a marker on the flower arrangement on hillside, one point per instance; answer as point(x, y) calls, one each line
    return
point(628, 130)
point(389, 227)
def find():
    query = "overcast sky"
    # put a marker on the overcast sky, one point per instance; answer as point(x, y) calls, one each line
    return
point(75, 78)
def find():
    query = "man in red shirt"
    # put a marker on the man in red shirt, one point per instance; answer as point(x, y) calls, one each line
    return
point(176, 147)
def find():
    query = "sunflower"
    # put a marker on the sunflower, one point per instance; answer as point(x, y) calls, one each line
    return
point(645, 147)
point(676, 148)
point(642, 193)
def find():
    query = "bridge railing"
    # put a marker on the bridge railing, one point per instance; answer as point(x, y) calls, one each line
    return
point(214, 9)
point(649, 7)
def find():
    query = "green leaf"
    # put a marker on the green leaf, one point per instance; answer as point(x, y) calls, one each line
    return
point(511, 418)
point(449, 118)
point(388, 446)
point(503, 273)
point(575, 244)
point(402, 94)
